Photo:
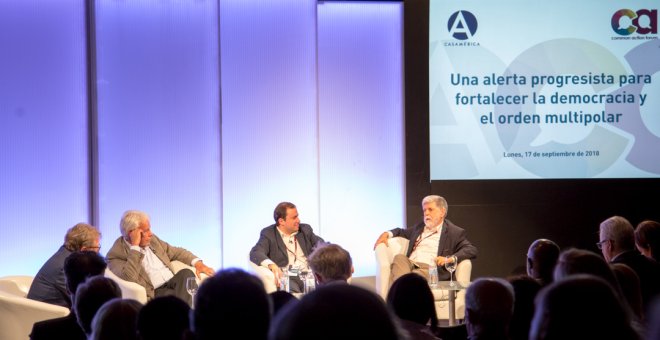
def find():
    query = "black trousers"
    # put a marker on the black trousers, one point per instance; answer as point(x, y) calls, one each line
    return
point(177, 286)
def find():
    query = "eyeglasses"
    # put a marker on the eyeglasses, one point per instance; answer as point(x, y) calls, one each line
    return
point(600, 244)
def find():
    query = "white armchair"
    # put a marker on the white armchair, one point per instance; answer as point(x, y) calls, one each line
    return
point(399, 245)
point(18, 313)
point(266, 276)
point(132, 290)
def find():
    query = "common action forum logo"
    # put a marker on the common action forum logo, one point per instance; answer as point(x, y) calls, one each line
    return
point(462, 25)
point(627, 22)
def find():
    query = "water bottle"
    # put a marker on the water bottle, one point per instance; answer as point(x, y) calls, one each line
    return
point(433, 275)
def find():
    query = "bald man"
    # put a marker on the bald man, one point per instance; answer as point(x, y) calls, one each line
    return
point(542, 256)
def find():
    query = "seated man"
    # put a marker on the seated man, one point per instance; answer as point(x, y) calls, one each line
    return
point(77, 268)
point(617, 242)
point(330, 263)
point(139, 256)
point(434, 240)
point(49, 284)
point(285, 243)
point(541, 259)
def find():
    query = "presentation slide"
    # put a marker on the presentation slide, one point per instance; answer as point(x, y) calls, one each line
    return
point(528, 89)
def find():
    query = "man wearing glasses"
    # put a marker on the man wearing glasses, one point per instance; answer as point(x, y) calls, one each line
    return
point(49, 284)
point(617, 243)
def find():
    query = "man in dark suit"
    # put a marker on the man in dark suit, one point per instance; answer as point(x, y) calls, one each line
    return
point(285, 243)
point(77, 268)
point(49, 285)
point(435, 240)
point(617, 242)
point(139, 256)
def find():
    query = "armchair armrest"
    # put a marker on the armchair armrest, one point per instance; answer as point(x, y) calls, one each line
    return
point(267, 277)
point(129, 290)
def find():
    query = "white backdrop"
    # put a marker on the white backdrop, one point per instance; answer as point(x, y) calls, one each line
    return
point(209, 114)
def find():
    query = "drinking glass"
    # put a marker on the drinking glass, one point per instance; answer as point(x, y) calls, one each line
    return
point(191, 287)
point(284, 279)
point(450, 265)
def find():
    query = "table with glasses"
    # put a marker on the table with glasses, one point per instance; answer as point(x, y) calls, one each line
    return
point(452, 287)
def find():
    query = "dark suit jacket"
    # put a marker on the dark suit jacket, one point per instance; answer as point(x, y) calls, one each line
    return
point(648, 271)
point(271, 246)
point(453, 241)
point(127, 263)
point(60, 328)
point(49, 283)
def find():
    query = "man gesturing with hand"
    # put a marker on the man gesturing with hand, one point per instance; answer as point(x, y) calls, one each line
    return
point(140, 256)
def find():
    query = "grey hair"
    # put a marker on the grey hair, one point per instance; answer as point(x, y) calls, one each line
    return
point(491, 298)
point(130, 220)
point(438, 200)
point(619, 230)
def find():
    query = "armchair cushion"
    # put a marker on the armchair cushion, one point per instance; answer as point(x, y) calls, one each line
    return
point(18, 313)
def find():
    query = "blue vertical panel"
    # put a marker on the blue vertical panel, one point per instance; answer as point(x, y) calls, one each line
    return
point(361, 124)
point(159, 120)
point(44, 178)
point(269, 121)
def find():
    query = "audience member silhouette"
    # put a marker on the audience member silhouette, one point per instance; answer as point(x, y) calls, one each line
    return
point(281, 298)
point(411, 299)
point(77, 268)
point(336, 312)
point(580, 307)
point(647, 239)
point(654, 320)
point(629, 283)
point(116, 319)
point(541, 259)
point(234, 300)
point(617, 242)
point(90, 296)
point(330, 263)
point(488, 309)
point(163, 318)
point(525, 289)
point(579, 261)
point(574, 261)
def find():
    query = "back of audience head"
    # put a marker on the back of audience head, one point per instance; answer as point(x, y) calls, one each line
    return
point(116, 319)
point(525, 289)
point(579, 261)
point(488, 308)
point(80, 265)
point(647, 239)
point(410, 298)
point(281, 298)
point(163, 318)
point(617, 235)
point(231, 299)
point(541, 259)
point(90, 296)
point(82, 236)
point(330, 263)
point(336, 312)
point(580, 307)
point(630, 287)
